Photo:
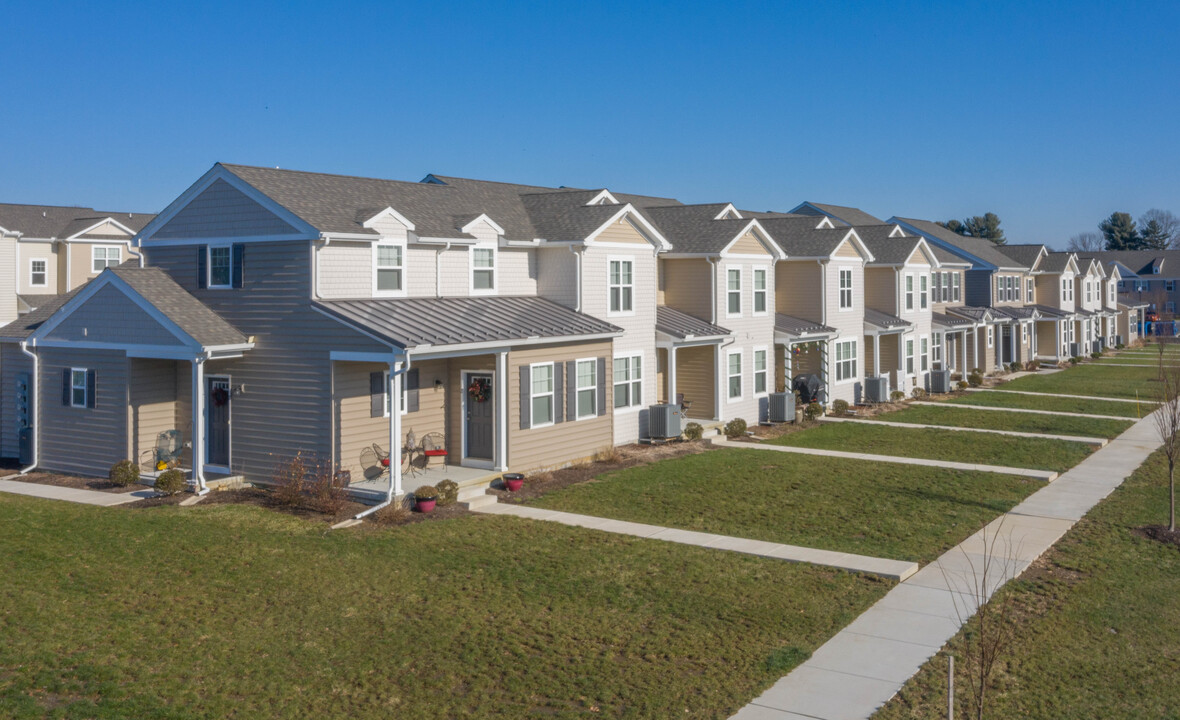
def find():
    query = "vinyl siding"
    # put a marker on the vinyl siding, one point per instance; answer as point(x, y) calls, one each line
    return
point(847, 250)
point(557, 275)
point(34, 251)
point(799, 289)
point(152, 408)
point(81, 262)
point(8, 280)
point(1048, 290)
point(1019, 284)
point(516, 271)
point(622, 231)
point(694, 379)
point(978, 288)
point(12, 363)
point(880, 290)
point(748, 244)
point(222, 211)
point(346, 270)
point(111, 316)
point(750, 332)
point(83, 441)
point(849, 324)
point(941, 307)
point(686, 286)
point(455, 400)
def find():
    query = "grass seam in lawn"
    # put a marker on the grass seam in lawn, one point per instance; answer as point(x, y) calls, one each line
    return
point(989, 408)
point(1100, 442)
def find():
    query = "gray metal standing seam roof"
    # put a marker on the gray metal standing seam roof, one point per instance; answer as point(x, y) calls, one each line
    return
point(682, 325)
point(414, 322)
point(792, 325)
point(884, 320)
point(949, 321)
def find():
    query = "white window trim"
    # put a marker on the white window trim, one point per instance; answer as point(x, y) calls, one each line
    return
point(911, 365)
point(765, 292)
point(620, 312)
point(209, 266)
point(990, 336)
point(74, 387)
point(552, 394)
point(840, 290)
point(578, 388)
point(401, 400)
point(956, 283)
point(855, 360)
point(754, 370)
point(108, 249)
point(936, 348)
point(729, 396)
point(495, 268)
point(389, 293)
point(45, 272)
point(1030, 291)
point(728, 292)
point(923, 291)
point(909, 302)
point(636, 398)
point(923, 354)
point(1024, 333)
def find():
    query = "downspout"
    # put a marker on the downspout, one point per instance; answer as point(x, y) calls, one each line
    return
point(577, 278)
point(823, 292)
point(712, 260)
point(394, 436)
point(438, 270)
point(35, 395)
point(315, 266)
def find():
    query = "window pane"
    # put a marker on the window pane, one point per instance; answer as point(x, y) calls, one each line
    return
point(760, 382)
point(735, 279)
point(626, 299)
point(621, 366)
point(484, 280)
point(622, 395)
point(735, 303)
point(483, 258)
point(626, 272)
point(735, 386)
point(760, 360)
point(586, 403)
point(759, 279)
point(542, 379)
point(542, 410)
point(735, 364)
point(760, 302)
point(219, 259)
point(389, 279)
point(389, 256)
point(635, 367)
point(586, 372)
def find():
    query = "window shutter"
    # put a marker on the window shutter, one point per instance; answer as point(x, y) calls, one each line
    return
point(202, 272)
point(376, 394)
point(65, 387)
point(412, 390)
point(558, 415)
point(602, 386)
point(571, 391)
point(90, 386)
point(239, 256)
point(526, 407)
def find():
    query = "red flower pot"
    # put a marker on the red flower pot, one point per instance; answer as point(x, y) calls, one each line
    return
point(513, 481)
point(425, 505)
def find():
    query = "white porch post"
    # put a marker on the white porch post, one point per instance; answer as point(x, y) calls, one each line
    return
point(1013, 338)
point(900, 362)
point(975, 332)
point(718, 381)
point(826, 373)
point(197, 437)
point(963, 352)
point(501, 395)
point(395, 431)
point(672, 374)
point(876, 354)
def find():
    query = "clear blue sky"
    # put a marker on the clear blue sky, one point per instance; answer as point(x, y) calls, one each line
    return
point(1051, 115)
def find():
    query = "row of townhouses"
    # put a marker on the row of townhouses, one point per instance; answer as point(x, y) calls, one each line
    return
point(269, 312)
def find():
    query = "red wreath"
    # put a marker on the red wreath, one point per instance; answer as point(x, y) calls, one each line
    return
point(219, 396)
point(479, 390)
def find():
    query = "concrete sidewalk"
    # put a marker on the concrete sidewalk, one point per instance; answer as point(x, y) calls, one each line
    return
point(76, 495)
point(866, 663)
point(1100, 442)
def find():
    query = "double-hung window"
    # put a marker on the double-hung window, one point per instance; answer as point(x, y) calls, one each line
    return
point(1065, 289)
point(909, 356)
point(389, 268)
point(999, 288)
point(628, 372)
point(102, 257)
point(845, 360)
point(38, 272)
point(541, 394)
point(1110, 294)
point(79, 388)
point(734, 375)
point(483, 270)
point(909, 292)
point(220, 266)
point(990, 336)
point(922, 297)
point(1023, 334)
point(759, 372)
point(1030, 291)
point(401, 404)
point(956, 280)
point(925, 346)
point(937, 345)
point(622, 286)
point(1169, 307)
point(587, 389)
point(759, 292)
point(1170, 285)
point(845, 288)
point(733, 292)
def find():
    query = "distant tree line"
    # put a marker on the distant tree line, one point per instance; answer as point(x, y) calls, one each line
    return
point(985, 226)
point(1155, 230)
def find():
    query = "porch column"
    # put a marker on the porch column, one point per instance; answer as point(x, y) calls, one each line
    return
point(900, 361)
point(963, 352)
point(976, 334)
point(1013, 340)
point(823, 358)
point(197, 437)
point(501, 396)
point(395, 430)
point(876, 354)
point(719, 379)
point(671, 379)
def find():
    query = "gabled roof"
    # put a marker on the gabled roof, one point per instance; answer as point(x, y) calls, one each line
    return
point(895, 251)
point(1050, 312)
point(1016, 312)
point(946, 258)
point(59, 222)
point(845, 214)
point(987, 252)
point(949, 321)
point(694, 229)
point(973, 312)
point(682, 326)
point(1139, 262)
point(26, 324)
point(1058, 262)
point(799, 238)
point(421, 323)
point(1026, 255)
point(880, 231)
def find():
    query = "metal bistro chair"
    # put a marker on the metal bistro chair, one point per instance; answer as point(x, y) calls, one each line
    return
point(685, 405)
point(169, 447)
point(434, 449)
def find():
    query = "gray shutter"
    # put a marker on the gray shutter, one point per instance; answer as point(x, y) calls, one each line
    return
point(376, 394)
point(571, 391)
point(90, 387)
point(602, 399)
point(239, 256)
point(412, 390)
point(202, 271)
point(526, 408)
point(558, 415)
point(65, 387)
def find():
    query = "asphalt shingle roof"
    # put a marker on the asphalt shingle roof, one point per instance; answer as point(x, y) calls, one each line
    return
point(890, 251)
point(693, 229)
point(682, 325)
point(55, 221)
point(981, 248)
point(182, 307)
point(1026, 255)
point(798, 237)
point(1055, 262)
point(843, 213)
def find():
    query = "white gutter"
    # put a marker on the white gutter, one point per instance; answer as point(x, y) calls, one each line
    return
point(35, 395)
point(577, 278)
point(315, 266)
point(823, 291)
point(438, 269)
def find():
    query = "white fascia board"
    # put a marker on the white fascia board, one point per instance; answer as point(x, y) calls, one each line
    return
point(776, 252)
point(483, 217)
point(535, 242)
point(603, 194)
point(856, 241)
point(420, 240)
point(897, 231)
point(348, 356)
point(159, 352)
point(389, 212)
point(433, 350)
point(925, 248)
point(636, 216)
point(825, 223)
point(351, 237)
point(727, 210)
point(103, 221)
point(953, 249)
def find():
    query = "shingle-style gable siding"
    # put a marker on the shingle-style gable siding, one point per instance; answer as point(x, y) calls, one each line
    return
point(748, 244)
point(622, 231)
point(557, 275)
point(110, 316)
point(8, 279)
point(222, 210)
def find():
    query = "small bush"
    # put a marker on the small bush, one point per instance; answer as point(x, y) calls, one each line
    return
point(1033, 365)
point(956, 375)
point(289, 480)
point(1013, 367)
point(448, 492)
point(1120, 346)
point(897, 396)
point(735, 428)
point(426, 492)
point(393, 514)
point(813, 411)
point(171, 482)
point(329, 492)
point(609, 454)
point(1074, 360)
point(918, 393)
point(693, 431)
point(124, 473)
point(975, 379)
point(962, 384)
point(1095, 355)
point(839, 407)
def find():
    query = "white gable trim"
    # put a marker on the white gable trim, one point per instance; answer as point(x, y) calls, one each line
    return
point(897, 231)
point(632, 215)
point(483, 217)
point(601, 198)
point(754, 226)
point(825, 223)
point(857, 242)
point(218, 172)
point(729, 212)
point(100, 223)
point(389, 212)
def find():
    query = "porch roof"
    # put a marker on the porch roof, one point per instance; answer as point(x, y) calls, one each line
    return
point(1016, 312)
point(1051, 313)
point(419, 323)
point(973, 312)
point(798, 327)
point(949, 321)
point(682, 326)
point(877, 320)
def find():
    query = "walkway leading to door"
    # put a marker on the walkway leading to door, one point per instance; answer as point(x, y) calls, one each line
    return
point(1072, 438)
point(1062, 395)
point(989, 408)
point(1046, 475)
point(77, 495)
point(884, 567)
point(866, 663)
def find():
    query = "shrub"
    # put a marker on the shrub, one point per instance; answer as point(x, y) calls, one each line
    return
point(1120, 346)
point(171, 482)
point(448, 492)
point(693, 431)
point(813, 410)
point(897, 396)
point(1013, 367)
point(962, 384)
point(609, 454)
point(328, 492)
point(956, 375)
point(1033, 365)
point(392, 514)
point(975, 379)
point(735, 428)
point(1095, 355)
point(839, 407)
point(1074, 360)
point(918, 393)
point(124, 473)
point(289, 479)
point(426, 492)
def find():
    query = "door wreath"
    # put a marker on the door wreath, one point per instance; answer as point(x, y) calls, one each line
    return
point(219, 396)
point(479, 390)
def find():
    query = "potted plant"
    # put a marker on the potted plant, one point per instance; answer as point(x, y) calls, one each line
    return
point(425, 498)
point(513, 481)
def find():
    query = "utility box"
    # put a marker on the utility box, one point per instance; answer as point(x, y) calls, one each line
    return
point(940, 381)
point(665, 421)
point(877, 389)
point(782, 407)
point(1075, 349)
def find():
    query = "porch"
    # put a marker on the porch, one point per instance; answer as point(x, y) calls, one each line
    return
point(884, 348)
point(803, 348)
point(687, 365)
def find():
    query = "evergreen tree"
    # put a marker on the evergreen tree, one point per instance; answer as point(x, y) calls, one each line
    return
point(985, 226)
point(1120, 232)
point(1152, 236)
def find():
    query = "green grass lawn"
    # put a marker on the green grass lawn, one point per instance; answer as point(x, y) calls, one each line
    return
point(238, 612)
point(1097, 624)
point(903, 512)
point(1094, 380)
point(1056, 404)
point(1020, 422)
point(933, 444)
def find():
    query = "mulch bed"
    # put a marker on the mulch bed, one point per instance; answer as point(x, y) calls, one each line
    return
point(1159, 533)
point(81, 483)
point(626, 456)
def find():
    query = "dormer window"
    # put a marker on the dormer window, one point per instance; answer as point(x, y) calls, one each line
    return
point(483, 270)
point(388, 269)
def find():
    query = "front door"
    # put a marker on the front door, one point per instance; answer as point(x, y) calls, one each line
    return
point(217, 399)
point(480, 426)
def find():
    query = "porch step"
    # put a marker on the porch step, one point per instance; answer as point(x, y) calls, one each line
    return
point(479, 501)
